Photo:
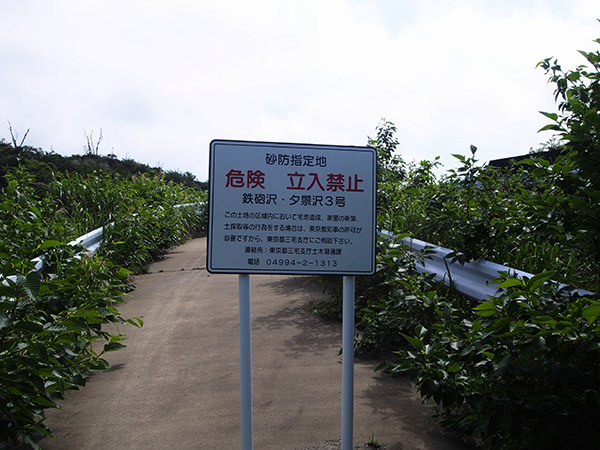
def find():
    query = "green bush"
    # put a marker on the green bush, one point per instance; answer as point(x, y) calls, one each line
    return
point(140, 213)
point(49, 319)
point(520, 370)
point(53, 321)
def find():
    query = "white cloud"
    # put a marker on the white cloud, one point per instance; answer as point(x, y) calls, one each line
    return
point(164, 78)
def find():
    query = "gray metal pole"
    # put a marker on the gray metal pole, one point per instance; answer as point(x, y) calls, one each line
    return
point(348, 363)
point(245, 361)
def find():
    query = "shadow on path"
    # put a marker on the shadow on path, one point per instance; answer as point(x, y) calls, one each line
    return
point(309, 332)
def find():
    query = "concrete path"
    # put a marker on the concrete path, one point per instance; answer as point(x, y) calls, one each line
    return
point(176, 385)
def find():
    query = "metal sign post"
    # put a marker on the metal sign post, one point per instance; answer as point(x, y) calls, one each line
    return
point(279, 208)
point(348, 363)
point(245, 361)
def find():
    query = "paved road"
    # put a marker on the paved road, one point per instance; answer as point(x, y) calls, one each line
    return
point(176, 385)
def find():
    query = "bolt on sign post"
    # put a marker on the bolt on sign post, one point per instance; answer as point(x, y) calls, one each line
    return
point(279, 208)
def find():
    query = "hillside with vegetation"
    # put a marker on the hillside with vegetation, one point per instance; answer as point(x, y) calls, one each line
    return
point(53, 319)
point(43, 164)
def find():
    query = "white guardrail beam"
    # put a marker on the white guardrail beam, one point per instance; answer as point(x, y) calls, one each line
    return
point(475, 278)
point(91, 241)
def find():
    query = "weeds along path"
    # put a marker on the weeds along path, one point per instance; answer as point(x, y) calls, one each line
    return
point(176, 385)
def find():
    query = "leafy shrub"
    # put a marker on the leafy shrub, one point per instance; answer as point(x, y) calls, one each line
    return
point(390, 302)
point(516, 372)
point(53, 321)
point(521, 370)
point(49, 319)
point(142, 213)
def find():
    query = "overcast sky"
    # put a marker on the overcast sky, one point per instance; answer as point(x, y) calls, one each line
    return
point(162, 78)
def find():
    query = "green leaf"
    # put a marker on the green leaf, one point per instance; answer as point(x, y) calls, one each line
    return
point(33, 284)
point(501, 324)
point(67, 339)
point(533, 162)
point(136, 322)
point(4, 321)
point(42, 401)
point(87, 313)
point(42, 352)
point(99, 365)
point(591, 312)
point(22, 200)
point(467, 350)
point(381, 366)
point(7, 291)
point(454, 368)
point(124, 272)
point(112, 346)
point(485, 309)
point(415, 342)
point(50, 244)
point(551, 116)
point(32, 327)
point(511, 282)
point(502, 365)
point(551, 126)
point(537, 280)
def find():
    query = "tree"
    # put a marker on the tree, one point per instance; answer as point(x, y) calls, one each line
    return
point(576, 175)
point(91, 148)
point(390, 166)
point(14, 136)
point(578, 120)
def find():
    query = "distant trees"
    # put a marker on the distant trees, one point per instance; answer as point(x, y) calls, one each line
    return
point(14, 136)
point(42, 164)
point(91, 148)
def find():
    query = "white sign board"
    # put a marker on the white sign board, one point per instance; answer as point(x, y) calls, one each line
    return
point(291, 208)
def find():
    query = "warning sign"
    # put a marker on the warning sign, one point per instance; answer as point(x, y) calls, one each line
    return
point(291, 208)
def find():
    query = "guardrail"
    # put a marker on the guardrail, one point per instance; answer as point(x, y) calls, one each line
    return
point(475, 279)
point(92, 240)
